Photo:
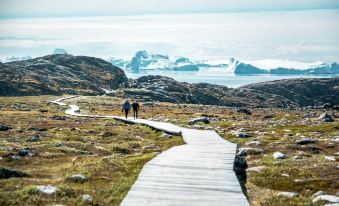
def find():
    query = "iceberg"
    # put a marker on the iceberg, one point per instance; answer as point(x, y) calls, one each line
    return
point(144, 60)
point(276, 66)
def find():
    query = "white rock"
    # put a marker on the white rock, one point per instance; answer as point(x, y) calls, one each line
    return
point(87, 198)
point(77, 178)
point(165, 135)
point(46, 189)
point(253, 142)
point(330, 158)
point(279, 155)
point(288, 194)
point(327, 198)
point(257, 169)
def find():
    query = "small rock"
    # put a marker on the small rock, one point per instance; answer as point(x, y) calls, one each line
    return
point(314, 149)
point(23, 152)
point(257, 169)
point(240, 134)
point(46, 189)
point(325, 118)
point(288, 194)
point(4, 127)
point(77, 121)
point(165, 135)
point(330, 158)
point(199, 119)
point(245, 111)
point(57, 117)
point(121, 150)
point(87, 198)
point(253, 142)
point(37, 129)
point(59, 144)
point(248, 151)
point(139, 138)
point(34, 138)
point(279, 155)
point(319, 193)
point(327, 106)
point(326, 198)
point(107, 134)
point(305, 141)
point(77, 178)
point(296, 157)
point(150, 147)
point(14, 157)
point(6, 173)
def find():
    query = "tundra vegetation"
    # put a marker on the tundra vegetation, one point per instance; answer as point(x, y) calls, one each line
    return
point(83, 161)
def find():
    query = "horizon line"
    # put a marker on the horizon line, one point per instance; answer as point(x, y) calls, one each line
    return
point(165, 13)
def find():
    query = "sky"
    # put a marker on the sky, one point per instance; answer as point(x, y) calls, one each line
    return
point(301, 30)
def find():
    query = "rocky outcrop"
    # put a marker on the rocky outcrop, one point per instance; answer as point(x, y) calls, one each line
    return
point(59, 74)
point(304, 92)
point(160, 88)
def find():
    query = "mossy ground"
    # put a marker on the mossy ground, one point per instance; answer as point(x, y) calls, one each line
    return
point(112, 163)
point(71, 146)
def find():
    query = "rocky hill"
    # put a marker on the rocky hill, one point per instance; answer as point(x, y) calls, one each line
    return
point(304, 92)
point(59, 74)
point(166, 89)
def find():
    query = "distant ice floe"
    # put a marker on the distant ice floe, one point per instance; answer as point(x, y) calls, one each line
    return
point(143, 60)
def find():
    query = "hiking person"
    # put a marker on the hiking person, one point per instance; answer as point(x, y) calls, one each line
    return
point(126, 107)
point(135, 107)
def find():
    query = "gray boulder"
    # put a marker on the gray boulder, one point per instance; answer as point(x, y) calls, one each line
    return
point(6, 173)
point(24, 152)
point(257, 169)
point(87, 198)
point(77, 178)
point(57, 117)
point(199, 119)
point(35, 138)
point(288, 194)
point(4, 127)
point(167, 136)
point(325, 118)
point(46, 189)
point(244, 111)
point(327, 198)
point(305, 141)
point(279, 155)
point(249, 151)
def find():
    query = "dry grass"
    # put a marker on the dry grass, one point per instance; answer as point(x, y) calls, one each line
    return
point(113, 163)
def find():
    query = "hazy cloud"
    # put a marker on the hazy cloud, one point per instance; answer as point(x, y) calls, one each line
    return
point(301, 35)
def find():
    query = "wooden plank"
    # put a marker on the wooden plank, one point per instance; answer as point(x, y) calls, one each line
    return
point(195, 174)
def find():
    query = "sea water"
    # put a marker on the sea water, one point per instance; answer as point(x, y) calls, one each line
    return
point(219, 77)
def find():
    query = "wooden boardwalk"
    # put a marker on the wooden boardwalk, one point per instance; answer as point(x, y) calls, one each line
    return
point(197, 173)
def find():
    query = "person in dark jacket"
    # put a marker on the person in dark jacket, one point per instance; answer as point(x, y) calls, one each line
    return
point(126, 107)
point(135, 107)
